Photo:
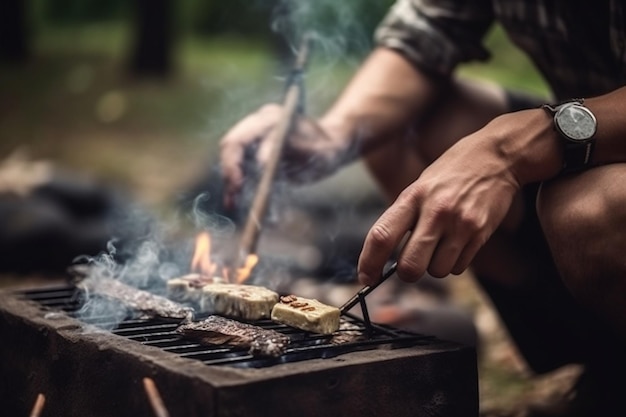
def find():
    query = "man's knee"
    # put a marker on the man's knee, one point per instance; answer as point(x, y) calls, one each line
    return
point(583, 218)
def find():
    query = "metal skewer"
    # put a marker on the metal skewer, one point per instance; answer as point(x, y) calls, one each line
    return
point(359, 297)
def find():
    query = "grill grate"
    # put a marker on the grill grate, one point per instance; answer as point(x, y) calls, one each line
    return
point(161, 333)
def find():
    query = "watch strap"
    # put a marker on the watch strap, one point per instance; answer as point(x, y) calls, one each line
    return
point(577, 156)
point(553, 108)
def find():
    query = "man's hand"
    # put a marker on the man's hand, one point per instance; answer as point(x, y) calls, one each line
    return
point(449, 212)
point(310, 153)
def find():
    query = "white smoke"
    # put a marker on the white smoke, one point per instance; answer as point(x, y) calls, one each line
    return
point(336, 27)
point(141, 256)
point(218, 225)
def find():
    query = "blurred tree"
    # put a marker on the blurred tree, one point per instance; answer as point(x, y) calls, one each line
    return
point(154, 37)
point(14, 32)
point(80, 11)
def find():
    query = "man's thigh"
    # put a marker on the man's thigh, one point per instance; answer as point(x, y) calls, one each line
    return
point(463, 108)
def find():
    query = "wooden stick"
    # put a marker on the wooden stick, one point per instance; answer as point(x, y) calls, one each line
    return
point(155, 398)
point(38, 407)
point(278, 136)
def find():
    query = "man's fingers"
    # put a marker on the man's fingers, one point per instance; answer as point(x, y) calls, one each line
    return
point(264, 152)
point(466, 256)
point(237, 139)
point(445, 256)
point(418, 250)
point(382, 239)
point(231, 158)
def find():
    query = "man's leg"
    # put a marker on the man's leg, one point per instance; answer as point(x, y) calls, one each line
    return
point(584, 219)
point(465, 108)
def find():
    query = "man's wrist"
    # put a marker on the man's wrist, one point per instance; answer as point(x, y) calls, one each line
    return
point(529, 142)
point(342, 137)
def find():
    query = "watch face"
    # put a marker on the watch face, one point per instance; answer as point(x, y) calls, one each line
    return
point(576, 122)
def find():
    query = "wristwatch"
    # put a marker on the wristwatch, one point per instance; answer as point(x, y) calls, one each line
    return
point(577, 125)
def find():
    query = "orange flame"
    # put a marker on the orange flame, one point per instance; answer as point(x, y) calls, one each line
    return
point(201, 260)
point(245, 271)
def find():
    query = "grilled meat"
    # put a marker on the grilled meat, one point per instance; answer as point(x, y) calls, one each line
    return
point(347, 333)
point(216, 330)
point(148, 305)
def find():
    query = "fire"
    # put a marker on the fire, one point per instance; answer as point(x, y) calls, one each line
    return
point(202, 263)
point(244, 272)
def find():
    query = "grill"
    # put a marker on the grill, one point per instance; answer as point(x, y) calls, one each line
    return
point(162, 334)
point(86, 370)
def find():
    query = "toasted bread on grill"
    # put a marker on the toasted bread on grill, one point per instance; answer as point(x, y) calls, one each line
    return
point(188, 288)
point(306, 314)
point(247, 302)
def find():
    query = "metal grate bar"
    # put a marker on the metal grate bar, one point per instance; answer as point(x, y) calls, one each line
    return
point(58, 298)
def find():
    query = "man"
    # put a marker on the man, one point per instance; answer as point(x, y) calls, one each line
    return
point(535, 204)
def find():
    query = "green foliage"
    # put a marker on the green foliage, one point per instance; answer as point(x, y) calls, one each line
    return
point(78, 11)
point(341, 27)
point(250, 18)
point(508, 66)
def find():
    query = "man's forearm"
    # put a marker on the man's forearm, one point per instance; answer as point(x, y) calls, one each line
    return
point(609, 110)
point(384, 98)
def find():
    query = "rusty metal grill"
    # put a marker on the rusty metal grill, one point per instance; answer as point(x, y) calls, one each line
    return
point(162, 334)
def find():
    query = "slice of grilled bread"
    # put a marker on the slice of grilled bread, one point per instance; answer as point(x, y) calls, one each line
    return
point(246, 302)
point(188, 288)
point(306, 314)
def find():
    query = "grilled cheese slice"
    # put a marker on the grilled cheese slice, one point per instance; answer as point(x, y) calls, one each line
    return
point(246, 302)
point(306, 314)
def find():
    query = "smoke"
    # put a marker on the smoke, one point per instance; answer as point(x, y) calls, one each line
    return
point(337, 27)
point(341, 34)
point(139, 254)
point(145, 242)
point(148, 256)
point(145, 252)
point(218, 225)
